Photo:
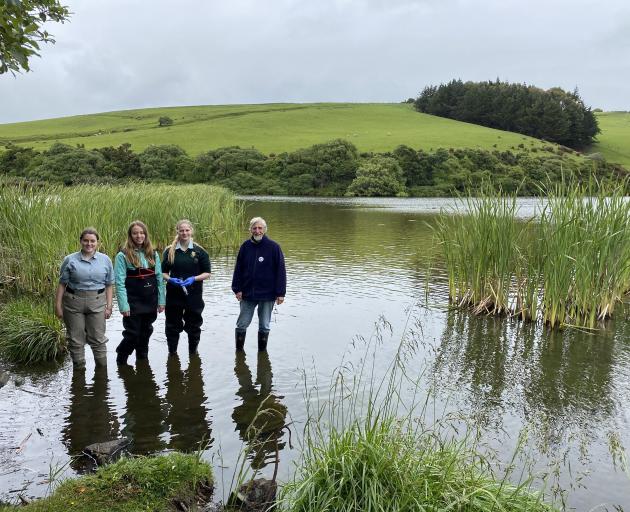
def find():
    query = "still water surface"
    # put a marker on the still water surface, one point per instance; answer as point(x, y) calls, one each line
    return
point(351, 265)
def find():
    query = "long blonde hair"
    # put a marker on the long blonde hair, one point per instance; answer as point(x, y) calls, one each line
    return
point(171, 248)
point(147, 248)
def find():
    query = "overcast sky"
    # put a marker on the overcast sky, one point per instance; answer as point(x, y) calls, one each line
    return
point(122, 54)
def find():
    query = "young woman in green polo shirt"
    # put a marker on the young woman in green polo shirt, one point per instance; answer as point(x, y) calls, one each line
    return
point(140, 291)
point(185, 265)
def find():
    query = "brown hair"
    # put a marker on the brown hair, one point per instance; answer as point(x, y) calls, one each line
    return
point(89, 231)
point(130, 247)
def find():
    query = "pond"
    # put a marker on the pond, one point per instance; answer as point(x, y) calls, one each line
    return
point(352, 265)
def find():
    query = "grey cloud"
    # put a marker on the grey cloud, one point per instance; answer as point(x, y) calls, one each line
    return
point(125, 54)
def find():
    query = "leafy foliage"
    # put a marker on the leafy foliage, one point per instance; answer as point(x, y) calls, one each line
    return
point(21, 30)
point(554, 115)
point(377, 177)
point(165, 121)
point(331, 169)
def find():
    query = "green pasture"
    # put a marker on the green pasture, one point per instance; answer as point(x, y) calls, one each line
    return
point(614, 141)
point(270, 128)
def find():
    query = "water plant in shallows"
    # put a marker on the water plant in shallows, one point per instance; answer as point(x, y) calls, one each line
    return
point(374, 444)
point(30, 333)
point(569, 266)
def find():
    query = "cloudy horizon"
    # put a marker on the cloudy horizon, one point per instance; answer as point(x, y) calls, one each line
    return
point(119, 55)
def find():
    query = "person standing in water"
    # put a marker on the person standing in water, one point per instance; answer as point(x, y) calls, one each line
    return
point(185, 265)
point(84, 299)
point(259, 281)
point(140, 291)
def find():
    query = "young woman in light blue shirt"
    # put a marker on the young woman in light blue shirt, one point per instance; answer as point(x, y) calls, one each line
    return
point(84, 299)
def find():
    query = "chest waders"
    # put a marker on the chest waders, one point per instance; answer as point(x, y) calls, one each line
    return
point(142, 294)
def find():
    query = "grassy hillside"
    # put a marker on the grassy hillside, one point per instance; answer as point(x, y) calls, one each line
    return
point(614, 141)
point(271, 128)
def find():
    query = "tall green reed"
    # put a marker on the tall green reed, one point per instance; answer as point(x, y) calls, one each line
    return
point(30, 333)
point(585, 243)
point(570, 266)
point(41, 225)
point(480, 249)
point(375, 443)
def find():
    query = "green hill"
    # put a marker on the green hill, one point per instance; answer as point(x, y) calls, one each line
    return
point(614, 141)
point(270, 128)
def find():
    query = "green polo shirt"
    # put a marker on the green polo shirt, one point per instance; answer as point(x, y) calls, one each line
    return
point(188, 262)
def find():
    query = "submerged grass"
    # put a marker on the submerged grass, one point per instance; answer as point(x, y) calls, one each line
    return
point(367, 447)
point(30, 333)
point(161, 483)
point(41, 225)
point(572, 267)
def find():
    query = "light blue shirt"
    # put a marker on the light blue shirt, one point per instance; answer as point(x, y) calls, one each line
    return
point(94, 273)
point(181, 248)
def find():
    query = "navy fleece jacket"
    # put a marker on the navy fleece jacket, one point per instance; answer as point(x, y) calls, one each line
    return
point(259, 272)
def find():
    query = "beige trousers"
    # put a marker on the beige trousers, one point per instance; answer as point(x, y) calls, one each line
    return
point(84, 316)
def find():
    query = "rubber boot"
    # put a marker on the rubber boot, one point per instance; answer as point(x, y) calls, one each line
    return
point(121, 358)
point(172, 346)
point(78, 365)
point(101, 362)
point(192, 346)
point(263, 337)
point(240, 340)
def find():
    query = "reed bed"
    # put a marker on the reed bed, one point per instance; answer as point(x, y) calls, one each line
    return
point(569, 267)
point(41, 225)
point(366, 447)
point(480, 250)
point(30, 333)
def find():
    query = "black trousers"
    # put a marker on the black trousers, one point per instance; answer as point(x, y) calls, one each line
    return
point(183, 317)
point(137, 329)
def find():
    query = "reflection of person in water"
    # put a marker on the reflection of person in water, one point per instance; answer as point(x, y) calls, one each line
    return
point(187, 413)
point(90, 415)
point(261, 416)
point(144, 418)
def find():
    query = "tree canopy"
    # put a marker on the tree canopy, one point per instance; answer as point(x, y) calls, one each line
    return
point(553, 115)
point(22, 30)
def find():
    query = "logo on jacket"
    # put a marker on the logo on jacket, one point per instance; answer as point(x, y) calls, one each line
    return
point(261, 259)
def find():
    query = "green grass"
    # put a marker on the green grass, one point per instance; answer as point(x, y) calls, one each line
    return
point(41, 225)
point(614, 141)
point(130, 485)
point(30, 332)
point(368, 448)
point(270, 128)
point(570, 268)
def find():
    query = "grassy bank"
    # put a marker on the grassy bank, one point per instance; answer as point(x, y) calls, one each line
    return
point(162, 483)
point(40, 225)
point(570, 266)
point(270, 128)
point(613, 143)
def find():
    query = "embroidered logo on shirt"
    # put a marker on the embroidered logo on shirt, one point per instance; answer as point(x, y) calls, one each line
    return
point(261, 259)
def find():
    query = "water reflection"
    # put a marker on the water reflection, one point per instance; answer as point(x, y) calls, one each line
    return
point(261, 415)
point(145, 413)
point(557, 381)
point(91, 418)
point(185, 397)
